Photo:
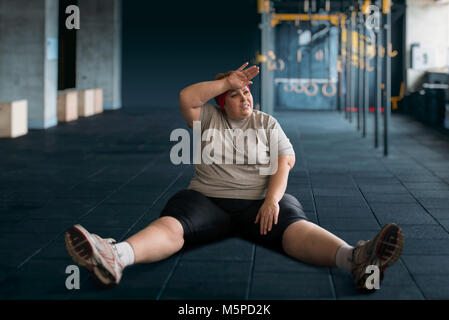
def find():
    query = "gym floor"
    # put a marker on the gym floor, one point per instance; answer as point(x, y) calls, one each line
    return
point(112, 174)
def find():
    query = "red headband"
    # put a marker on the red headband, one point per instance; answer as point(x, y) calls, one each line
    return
point(220, 100)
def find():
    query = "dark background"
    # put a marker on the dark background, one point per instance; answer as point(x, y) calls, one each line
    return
point(67, 49)
point(169, 45)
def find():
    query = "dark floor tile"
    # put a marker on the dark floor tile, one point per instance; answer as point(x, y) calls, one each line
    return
point(434, 287)
point(403, 217)
point(193, 271)
point(383, 189)
point(40, 225)
point(39, 279)
point(352, 237)
point(267, 260)
point(350, 212)
point(286, 285)
point(60, 210)
point(20, 246)
point(402, 213)
point(56, 249)
point(135, 197)
point(425, 264)
point(428, 203)
point(426, 247)
point(397, 285)
point(443, 194)
point(397, 208)
point(232, 249)
point(439, 213)
point(438, 186)
point(389, 198)
point(208, 280)
point(114, 215)
point(205, 290)
point(142, 281)
point(5, 272)
point(419, 178)
point(367, 223)
point(336, 192)
point(444, 223)
point(340, 202)
point(425, 232)
point(95, 186)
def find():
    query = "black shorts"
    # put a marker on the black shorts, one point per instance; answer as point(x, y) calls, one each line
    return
point(206, 219)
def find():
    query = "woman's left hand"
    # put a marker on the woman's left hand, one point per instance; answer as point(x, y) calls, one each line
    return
point(268, 214)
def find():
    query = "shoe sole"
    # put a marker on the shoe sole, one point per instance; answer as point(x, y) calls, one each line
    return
point(86, 255)
point(389, 244)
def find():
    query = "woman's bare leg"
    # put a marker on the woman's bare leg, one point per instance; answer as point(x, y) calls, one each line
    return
point(161, 239)
point(310, 243)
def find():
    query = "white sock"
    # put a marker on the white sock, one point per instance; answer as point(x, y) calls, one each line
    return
point(126, 253)
point(343, 258)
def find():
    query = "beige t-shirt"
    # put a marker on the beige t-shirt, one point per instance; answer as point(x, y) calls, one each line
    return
point(235, 157)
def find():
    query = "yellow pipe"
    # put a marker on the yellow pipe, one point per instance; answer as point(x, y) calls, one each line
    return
point(278, 17)
point(365, 6)
point(260, 6)
point(344, 35)
point(395, 100)
point(386, 6)
point(263, 6)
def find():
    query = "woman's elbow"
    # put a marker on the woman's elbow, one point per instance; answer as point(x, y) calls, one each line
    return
point(182, 95)
point(291, 161)
point(287, 161)
point(183, 99)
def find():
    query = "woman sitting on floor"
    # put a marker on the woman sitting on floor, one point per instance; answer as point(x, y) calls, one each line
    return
point(235, 198)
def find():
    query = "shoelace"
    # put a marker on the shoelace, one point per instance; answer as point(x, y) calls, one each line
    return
point(359, 244)
point(113, 243)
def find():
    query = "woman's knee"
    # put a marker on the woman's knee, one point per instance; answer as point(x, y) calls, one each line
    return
point(294, 232)
point(171, 226)
point(291, 201)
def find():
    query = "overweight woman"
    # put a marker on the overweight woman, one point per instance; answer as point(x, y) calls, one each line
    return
point(232, 197)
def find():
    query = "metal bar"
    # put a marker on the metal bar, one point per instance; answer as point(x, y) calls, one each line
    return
point(366, 82)
point(351, 74)
point(378, 104)
point(348, 70)
point(264, 69)
point(345, 70)
point(360, 74)
point(387, 109)
point(339, 64)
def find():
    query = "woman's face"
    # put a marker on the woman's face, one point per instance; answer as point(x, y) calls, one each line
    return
point(239, 104)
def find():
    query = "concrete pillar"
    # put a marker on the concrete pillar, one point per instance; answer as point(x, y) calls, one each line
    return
point(98, 62)
point(29, 57)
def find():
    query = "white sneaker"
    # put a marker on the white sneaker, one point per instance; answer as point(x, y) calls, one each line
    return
point(98, 255)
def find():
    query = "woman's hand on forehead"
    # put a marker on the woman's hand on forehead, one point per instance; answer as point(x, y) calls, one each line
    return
point(251, 72)
point(242, 77)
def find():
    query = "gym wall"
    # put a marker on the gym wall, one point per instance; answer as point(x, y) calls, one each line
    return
point(170, 45)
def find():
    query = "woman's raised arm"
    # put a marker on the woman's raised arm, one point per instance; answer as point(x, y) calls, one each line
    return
point(194, 96)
